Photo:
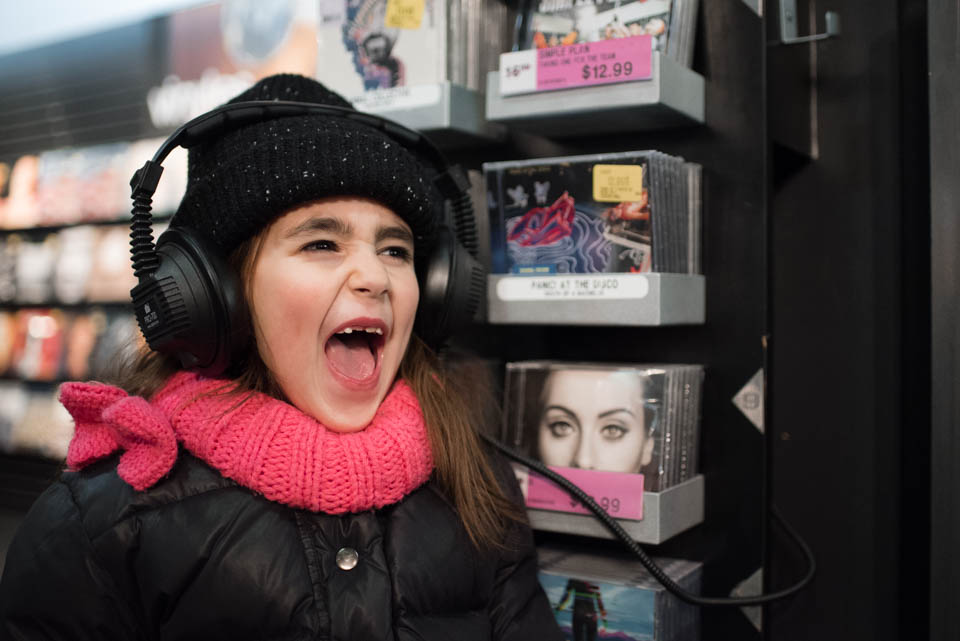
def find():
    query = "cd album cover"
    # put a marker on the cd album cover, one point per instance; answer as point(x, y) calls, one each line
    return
point(564, 22)
point(614, 597)
point(624, 212)
point(363, 49)
point(635, 419)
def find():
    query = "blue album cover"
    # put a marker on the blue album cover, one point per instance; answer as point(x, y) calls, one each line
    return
point(601, 610)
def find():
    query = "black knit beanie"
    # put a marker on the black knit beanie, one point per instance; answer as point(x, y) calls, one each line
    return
point(240, 182)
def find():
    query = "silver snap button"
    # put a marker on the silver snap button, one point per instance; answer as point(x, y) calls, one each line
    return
point(347, 558)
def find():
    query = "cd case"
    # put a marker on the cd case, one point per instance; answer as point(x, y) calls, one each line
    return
point(633, 419)
point(375, 56)
point(626, 212)
point(612, 596)
point(553, 23)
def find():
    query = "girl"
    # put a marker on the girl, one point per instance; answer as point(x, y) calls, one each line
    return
point(332, 485)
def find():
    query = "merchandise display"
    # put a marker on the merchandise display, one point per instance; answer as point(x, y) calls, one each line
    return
point(552, 23)
point(634, 419)
point(33, 422)
point(623, 212)
point(612, 596)
point(43, 344)
point(88, 184)
point(84, 263)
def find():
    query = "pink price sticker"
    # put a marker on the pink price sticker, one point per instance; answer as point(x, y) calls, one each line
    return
point(618, 493)
point(595, 63)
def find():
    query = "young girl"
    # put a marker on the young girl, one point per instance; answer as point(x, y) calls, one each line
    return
point(331, 485)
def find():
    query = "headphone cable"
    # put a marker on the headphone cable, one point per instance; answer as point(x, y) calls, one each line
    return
point(669, 584)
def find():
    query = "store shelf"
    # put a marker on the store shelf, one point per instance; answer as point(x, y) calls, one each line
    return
point(658, 299)
point(451, 115)
point(673, 97)
point(665, 514)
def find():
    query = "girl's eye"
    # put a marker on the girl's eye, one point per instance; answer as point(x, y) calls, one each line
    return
point(560, 429)
point(321, 245)
point(613, 432)
point(398, 251)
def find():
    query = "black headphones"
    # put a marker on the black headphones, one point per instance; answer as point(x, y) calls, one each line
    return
point(190, 304)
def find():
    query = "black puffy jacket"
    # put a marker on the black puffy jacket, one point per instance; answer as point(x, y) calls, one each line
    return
point(199, 557)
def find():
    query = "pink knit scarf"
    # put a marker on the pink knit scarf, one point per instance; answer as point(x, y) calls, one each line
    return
point(262, 443)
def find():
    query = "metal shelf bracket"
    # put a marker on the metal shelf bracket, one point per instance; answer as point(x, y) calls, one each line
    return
point(788, 25)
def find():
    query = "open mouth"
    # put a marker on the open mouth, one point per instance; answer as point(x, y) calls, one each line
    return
point(354, 350)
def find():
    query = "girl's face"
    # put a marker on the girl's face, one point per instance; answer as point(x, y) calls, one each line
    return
point(594, 420)
point(333, 297)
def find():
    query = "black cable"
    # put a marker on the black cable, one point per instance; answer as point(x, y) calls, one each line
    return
point(647, 562)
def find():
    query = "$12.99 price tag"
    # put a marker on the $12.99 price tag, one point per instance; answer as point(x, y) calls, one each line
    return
point(578, 65)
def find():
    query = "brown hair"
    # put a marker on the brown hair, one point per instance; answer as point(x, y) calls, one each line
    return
point(456, 405)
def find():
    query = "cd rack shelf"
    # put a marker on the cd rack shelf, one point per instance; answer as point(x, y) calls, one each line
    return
point(673, 97)
point(659, 299)
point(665, 514)
point(452, 115)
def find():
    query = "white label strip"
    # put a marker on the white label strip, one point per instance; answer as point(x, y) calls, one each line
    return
point(398, 98)
point(573, 286)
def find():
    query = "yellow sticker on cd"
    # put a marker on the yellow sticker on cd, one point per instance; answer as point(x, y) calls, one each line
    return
point(404, 14)
point(617, 183)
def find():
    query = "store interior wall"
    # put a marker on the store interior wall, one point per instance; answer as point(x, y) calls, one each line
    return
point(849, 223)
point(944, 48)
point(25, 25)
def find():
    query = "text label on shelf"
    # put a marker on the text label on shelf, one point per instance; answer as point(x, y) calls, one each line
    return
point(573, 286)
point(577, 65)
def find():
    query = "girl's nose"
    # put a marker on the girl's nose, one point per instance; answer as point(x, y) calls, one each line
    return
point(368, 274)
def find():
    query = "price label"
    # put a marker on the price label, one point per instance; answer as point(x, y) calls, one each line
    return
point(619, 494)
point(617, 183)
point(404, 14)
point(564, 67)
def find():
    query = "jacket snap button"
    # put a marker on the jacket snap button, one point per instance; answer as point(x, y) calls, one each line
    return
point(347, 558)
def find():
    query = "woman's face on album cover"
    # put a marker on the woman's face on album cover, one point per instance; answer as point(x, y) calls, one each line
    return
point(333, 297)
point(594, 420)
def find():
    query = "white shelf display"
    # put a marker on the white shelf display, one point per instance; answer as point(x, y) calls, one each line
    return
point(665, 514)
point(450, 114)
point(673, 96)
point(597, 299)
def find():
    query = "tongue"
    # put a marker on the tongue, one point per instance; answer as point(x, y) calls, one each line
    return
point(350, 355)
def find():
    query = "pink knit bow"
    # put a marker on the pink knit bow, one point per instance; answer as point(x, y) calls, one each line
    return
point(107, 420)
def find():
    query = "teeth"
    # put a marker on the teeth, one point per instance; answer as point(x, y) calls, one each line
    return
point(369, 330)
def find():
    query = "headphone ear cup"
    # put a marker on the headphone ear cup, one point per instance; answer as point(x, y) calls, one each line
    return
point(452, 287)
point(192, 306)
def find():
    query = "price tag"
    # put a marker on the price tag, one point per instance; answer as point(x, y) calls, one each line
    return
point(617, 183)
point(619, 494)
point(564, 67)
point(404, 14)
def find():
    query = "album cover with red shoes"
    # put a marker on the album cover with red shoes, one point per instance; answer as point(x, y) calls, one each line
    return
point(623, 212)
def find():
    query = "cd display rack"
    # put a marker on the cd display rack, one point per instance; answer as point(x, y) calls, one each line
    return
point(673, 97)
point(452, 115)
point(662, 299)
